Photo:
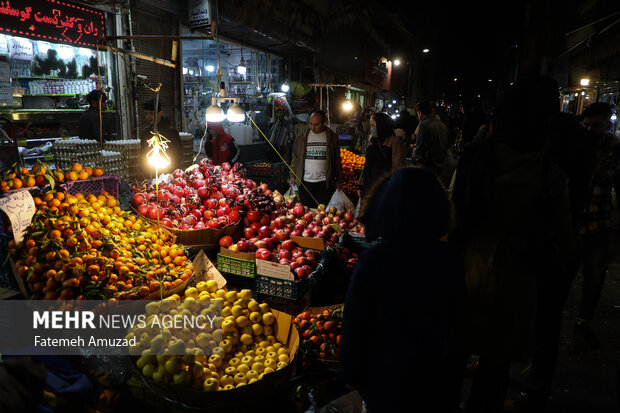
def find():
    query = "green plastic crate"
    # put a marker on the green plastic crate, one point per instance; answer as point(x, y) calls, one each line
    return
point(236, 266)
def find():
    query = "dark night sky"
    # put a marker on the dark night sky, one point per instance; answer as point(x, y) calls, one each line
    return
point(471, 40)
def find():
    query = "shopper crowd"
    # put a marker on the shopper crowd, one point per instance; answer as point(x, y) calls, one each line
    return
point(488, 264)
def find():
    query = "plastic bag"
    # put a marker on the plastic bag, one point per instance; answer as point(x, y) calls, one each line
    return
point(292, 193)
point(358, 207)
point(340, 200)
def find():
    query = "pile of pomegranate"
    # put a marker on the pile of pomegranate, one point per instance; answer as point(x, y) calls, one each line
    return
point(211, 196)
point(207, 196)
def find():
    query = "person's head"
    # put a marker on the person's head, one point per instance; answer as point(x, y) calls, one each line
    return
point(413, 192)
point(424, 108)
point(383, 124)
point(317, 121)
point(96, 99)
point(597, 118)
point(150, 112)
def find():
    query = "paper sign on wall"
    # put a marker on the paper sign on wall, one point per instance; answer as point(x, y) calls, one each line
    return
point(6, 88)
point(20, 208)
point(22, 49)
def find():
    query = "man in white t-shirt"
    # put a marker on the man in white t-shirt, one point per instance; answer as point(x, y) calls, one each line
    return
point(316, 161)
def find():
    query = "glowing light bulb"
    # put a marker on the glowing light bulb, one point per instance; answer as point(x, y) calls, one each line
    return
point(585, 81)
point(210, 68)
point(285, 88)
point(157, 159)
point(235, 113)
point(347, 105)
point(215, 114)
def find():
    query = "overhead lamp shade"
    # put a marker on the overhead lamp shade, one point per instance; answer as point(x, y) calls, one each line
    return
point(215, 114)
point(235, 113)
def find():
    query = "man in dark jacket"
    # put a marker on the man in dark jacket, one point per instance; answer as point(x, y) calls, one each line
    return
point(316, 161)
point(89, 125)
point(421, 317)
point(175, 148)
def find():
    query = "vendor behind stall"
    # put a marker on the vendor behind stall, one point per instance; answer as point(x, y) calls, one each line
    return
point(89, 125)
point(174, 150)
point(221, 146)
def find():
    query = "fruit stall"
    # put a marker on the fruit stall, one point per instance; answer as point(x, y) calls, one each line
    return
point(219, 234)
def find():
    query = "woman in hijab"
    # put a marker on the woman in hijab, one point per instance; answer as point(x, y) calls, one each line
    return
point(385, 152)
point(401, 312)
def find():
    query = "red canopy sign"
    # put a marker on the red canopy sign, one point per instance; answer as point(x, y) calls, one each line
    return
point(52, 20)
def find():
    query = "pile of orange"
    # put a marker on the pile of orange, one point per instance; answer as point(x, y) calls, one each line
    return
point(42, 175)
point(85, 247)
point(351, 160)
point(77, 171)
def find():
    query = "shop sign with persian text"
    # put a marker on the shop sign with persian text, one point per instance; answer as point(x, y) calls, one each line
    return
point(52, 20)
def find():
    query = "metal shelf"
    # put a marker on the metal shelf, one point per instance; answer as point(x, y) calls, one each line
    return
point(50, 94)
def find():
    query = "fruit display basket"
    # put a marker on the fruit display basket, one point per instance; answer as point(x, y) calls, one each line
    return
point(236, 266)
point(96, 185)
point(181, 397)
point(197, 237)
point(266, 169)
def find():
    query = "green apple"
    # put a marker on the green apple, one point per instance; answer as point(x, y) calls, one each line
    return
point(148, 370)
point(245, 294)
point(210, 384)
point(181, 377)
point(268, 318)
point(173, 365)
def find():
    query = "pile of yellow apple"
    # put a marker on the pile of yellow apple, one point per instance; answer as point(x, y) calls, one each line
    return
point(241, 352)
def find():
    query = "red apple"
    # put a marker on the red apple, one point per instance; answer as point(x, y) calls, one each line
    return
point(281, 235)
point(243, 245)
point(298, 210)
point(255, 226)
point(143, 209)
point(263, 254)
point(288, 245)
point(284, 261)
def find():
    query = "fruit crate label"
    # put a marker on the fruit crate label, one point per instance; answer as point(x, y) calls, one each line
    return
point(312, 243)
point(275, 270)
point(19, 207)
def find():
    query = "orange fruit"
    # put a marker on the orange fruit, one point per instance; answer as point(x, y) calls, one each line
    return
point(72, 176)
point(83, 175)
point(76, 167)
point(41, 180)
point(17, 183)
point(98, 172)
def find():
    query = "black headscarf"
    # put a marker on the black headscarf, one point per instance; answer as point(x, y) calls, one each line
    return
point(412, 197)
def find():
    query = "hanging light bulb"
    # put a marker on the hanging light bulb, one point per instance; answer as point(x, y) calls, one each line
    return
point(347, 105)
point(285, 88)
point(215, 113)
point(235, 113)
point(241, 69)
point(157, 157)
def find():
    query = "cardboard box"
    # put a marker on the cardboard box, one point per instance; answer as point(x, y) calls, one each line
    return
point(275, 270)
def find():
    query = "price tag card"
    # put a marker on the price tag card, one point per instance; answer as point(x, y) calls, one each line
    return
point(19, 207)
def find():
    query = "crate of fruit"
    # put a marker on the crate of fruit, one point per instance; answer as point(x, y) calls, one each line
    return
point(274, 182)
point(277, 280)
point(266, 169)
point(238, 263)
point(93, 185)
